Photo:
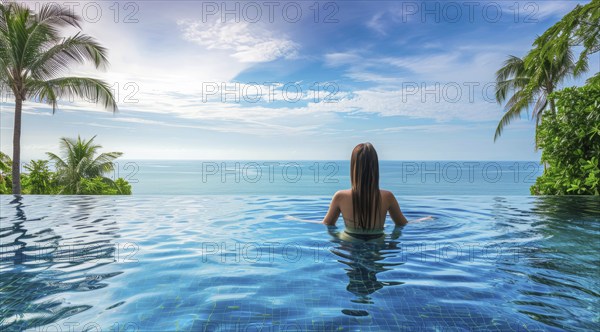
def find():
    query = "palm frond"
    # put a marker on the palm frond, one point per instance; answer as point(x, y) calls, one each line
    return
point(90, 89)
point(510, 115)
point(105, 162)
point(58, 161)
point(518, 103)
point(594, 80)
point(539, 107)
point(77, 49)
point(59, 16)
point(508, 77)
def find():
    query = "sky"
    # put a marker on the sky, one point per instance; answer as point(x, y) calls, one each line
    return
point(297, 80)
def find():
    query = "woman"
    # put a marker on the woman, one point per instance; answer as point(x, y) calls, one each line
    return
point(365, 206)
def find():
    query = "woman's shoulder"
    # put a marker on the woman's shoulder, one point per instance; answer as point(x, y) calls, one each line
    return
point(386, 193)
point(343, 193)
point(348, 193)
point(387, 196)
point(342, 196)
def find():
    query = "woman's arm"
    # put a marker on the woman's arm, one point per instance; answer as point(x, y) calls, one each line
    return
point(397, 215)
point(334, 210)
point(395, 212)
point(421, 219)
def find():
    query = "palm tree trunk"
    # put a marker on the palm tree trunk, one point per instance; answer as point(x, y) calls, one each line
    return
point(16, 162)
point(549, 91)
point(552, 106)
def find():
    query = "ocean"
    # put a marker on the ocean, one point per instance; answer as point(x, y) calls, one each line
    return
point(322, 177)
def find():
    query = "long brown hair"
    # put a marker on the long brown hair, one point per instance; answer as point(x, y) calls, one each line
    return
point(364, 175)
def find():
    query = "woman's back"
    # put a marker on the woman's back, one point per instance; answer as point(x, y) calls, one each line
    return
point(342, 203)
point(347, 210)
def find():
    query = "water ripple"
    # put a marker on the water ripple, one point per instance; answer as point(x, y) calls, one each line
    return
point(166, 263)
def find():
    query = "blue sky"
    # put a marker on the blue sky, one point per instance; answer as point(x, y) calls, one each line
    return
point(305, 80)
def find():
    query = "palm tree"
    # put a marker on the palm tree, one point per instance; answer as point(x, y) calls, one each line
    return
point(79, 162)
point(580, 27)
point(34, 57)
point(531, 80)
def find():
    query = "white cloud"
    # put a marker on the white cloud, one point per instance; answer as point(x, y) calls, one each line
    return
point(545, 9)
point(440, 106)
point(166, 61)
point(376, 24)
point(432, 128)
point(464, 63)
point(247, 42)
point(364, 76)
point(342, 58)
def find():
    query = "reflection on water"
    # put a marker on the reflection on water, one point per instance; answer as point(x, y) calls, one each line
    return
point(37, 265)
point(364, 260)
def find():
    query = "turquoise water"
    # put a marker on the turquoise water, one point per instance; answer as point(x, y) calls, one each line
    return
point(245, 263)
point(414, 178)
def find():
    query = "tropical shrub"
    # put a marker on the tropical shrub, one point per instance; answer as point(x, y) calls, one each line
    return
point(39, 181)
point(570, 143)
point(95, 186)
point(123, 187)
point(100, 186)
point(5, 171)
point(5, 186)
point(79, 170)
point(80, 161)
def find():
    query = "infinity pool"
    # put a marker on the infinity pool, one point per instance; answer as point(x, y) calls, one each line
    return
point(247, 263)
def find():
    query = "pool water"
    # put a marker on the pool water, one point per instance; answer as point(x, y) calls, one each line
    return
point(247, 263)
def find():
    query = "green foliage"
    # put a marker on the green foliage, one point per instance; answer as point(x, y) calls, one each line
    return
point(123, 187)
point(594, 80)
point(5, 171)
point(34, 55)
point(524, 83)
point(5, 185)
point(570, 139)
point(40, 178)
point(79, 162)
point(580, 27)
point(5, 164)
point(97, 186)
point(81, 171)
